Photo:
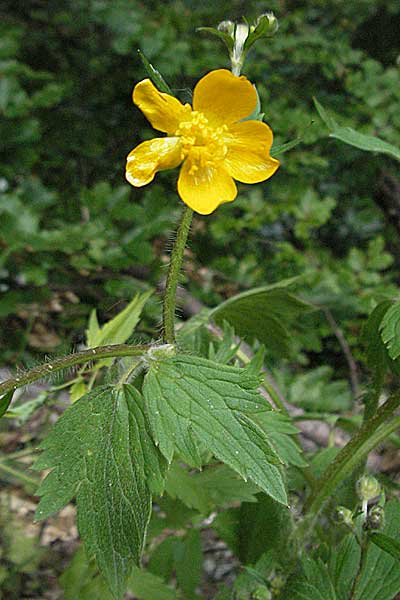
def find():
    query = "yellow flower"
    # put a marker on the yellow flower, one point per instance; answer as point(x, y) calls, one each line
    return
point(211, 140)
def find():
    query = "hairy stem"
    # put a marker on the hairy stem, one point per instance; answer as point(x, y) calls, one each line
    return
point(174, 270)
point(71, 360)
point(370, 435)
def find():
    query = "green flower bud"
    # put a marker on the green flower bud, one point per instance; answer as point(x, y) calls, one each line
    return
point(375, 518)
point(226, 27)
point(267, 23)
point(368, 488)
point(344, 515)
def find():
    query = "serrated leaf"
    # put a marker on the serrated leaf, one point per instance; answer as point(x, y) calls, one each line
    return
point(5, 402)
point(386, 543)
point(279, 428)
point(100, 452)
point(121, 327)
point(349, 136)
point(262, 314)
point(192, 401)
point(390, 330)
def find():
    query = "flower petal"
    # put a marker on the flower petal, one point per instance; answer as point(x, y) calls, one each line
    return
point(162, 110)
point(224, 98)
point(248, 159)
point(149, 157)
point(204, 188)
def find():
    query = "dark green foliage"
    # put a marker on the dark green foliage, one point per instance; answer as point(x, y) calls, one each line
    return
point(100, 452)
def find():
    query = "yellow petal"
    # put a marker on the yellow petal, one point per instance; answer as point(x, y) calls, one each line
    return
point(149, 157)
point(248, 158)
point(224, 98)
point(162, 110)
point(204, 188)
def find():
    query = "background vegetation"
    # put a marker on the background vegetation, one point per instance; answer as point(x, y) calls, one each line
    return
point(74, 235)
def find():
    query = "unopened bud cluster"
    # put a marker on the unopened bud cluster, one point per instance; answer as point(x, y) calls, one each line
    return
point(239, 37)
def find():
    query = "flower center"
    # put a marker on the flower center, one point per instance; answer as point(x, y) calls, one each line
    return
point(202, 143)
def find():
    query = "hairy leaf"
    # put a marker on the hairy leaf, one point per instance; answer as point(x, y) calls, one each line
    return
point(100, 452)
point(193, 403)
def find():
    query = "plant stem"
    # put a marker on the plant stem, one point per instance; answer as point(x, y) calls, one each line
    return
point(174, 270)
point(71, 360)
point(370, 435)
point(18, 474)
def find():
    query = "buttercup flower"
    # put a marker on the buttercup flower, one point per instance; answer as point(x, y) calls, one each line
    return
point(211, 140)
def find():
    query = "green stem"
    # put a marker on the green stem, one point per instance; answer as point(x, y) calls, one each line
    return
point(18, 475)
point(370, 435)
point(71, 360)
point(361, 566)
point(174, 270)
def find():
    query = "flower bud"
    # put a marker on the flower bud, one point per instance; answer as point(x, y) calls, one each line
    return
point(267, 23)
point(368, 488)
point(226, 27)
point(343, 515)
point(375, 518)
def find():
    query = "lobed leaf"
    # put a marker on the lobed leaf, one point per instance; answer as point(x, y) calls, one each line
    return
point(101, 453)
point(193, 404)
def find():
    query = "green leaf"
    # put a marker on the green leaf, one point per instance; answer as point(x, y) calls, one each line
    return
point(279, 430)
point(343, 565)
point(386, 543)
point(81, 580)
point(262, 313)
point(349, 136)
point(24, 411)
point(225, 37)
point(5, 402)
point(313, 584)
point(155, 75)
point(390, 330)
point(188, 563)
point(214, 486)
point(376, 352)
point(120, 328)
point(192, 403)
point(380, 578)
point(146, 586)
point(263, 525)
point(100, 451)
point(316, 392)
point(278, 149)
